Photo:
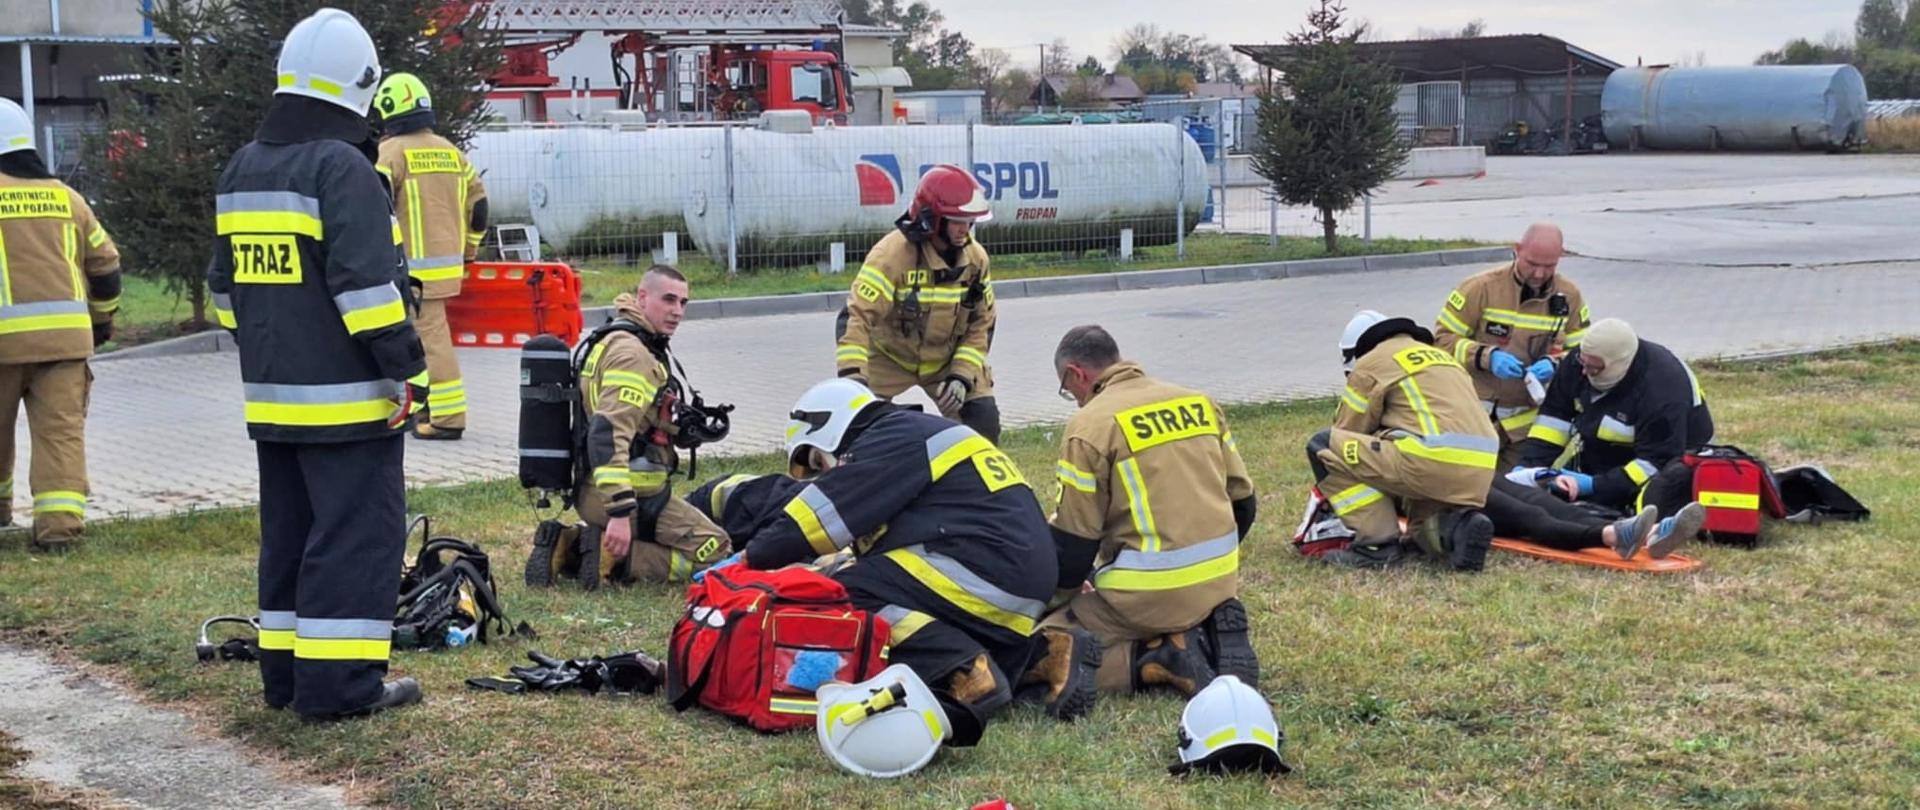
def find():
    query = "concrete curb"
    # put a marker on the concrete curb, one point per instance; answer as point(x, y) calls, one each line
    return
point(218, 340)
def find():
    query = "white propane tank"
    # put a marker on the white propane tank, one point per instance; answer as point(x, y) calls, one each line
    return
point(613, 190)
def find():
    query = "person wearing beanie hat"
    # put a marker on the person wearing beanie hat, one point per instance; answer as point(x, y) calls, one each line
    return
point(1509, 325)
point(1637, 410)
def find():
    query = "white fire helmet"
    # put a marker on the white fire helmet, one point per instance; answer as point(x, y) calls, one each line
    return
point(1350, 337)
point(329, 56)
point(1228, 727)
point(16, 130)
point(887, 726)
point(820, 419)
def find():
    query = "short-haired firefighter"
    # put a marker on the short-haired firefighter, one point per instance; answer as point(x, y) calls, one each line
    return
point(1155, 503)
point(1409, 431)
point(963, 567)
point(442, 209)
point(61, 277)
point(920, 313)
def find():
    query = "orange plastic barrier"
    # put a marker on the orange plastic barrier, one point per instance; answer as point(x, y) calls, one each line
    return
point(1601, 558)
point(504, 304)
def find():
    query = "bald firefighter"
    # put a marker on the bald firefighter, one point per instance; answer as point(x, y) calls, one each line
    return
point(1154, 504)
point(644, 533)
point(952, 551)
point(59, 289)
point(442, 209)
point(1409, 432)
point(920, 313)
point(1509, 324)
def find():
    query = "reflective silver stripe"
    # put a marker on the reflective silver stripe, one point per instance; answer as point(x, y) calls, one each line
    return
point(435, 262)
point(1645, 467)
point(525, 453)
point(237, 201)
point(321, 394)
point(276, 620)
point(1616, 427)
point(222, 301)
point(945, 440)
point(538, 355)
point(825, 511)
point(374, 629)
point(894, 613)
point(368, 298)
point(1132, 560)
point(1461, 441)
point(1550, 423)
point(1506, 411)
point(973, 584)
point(43, 308)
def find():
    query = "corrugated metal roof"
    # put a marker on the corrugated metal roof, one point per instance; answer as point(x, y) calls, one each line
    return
point(83, 39)
point(1503, 55)
point(1893, 107)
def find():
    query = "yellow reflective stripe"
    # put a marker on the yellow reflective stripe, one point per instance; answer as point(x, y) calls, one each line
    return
point(876, 277)
point(107, 305)
point(793, 705)
point(942, 295)
point(384, 169)
point(968, 354)
point(1549, 431)
point(1640, 471)
point(276, 639)
point(906, 626)
point(447, 273)
point(1730, 500)
point(330, 89)
point(1353, 400)
point(609, 474)
point(1169, 579)
point(1223, 735)
point(851, 354)
point(417, 246)
point(293, 222)
point(60, 500)
point(1520, 420)
point(646, 480)
point(961, 451)
point(951, 591)
point(397, 240)
point(341, 649)
point(717, 499)
point(933, 724)
point(97, 236)
point(6, 276)
point(1522, 320)
point(374, 317)
point(1574, 339)
point(1429, 424)
point(70, 237)
point(1354, 498)
point(305, 414)
point(809, 523)
point(1137, 504)
point(1264, 736)
point(43, 323)
point(1479, 459)
point(1454, 324)
point(1075, 477)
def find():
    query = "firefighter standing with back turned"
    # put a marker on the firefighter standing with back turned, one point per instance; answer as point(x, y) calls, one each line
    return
point(307, 273)
point(59, 288)
point(921, 310)
point(442, 209)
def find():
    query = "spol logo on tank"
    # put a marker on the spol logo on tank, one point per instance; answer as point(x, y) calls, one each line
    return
point(881, 185)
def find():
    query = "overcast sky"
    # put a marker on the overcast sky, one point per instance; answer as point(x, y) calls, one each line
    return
point(1729, 32)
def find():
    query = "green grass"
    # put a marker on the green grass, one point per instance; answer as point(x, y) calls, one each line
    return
point(148, 313)
point(1778, 678)
point(602, 279)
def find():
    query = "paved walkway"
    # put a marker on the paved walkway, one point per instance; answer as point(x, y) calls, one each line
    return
point(166, 434)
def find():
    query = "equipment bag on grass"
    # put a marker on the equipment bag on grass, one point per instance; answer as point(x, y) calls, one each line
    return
point(1737, 489)
point(448, 596)
point(754, 645)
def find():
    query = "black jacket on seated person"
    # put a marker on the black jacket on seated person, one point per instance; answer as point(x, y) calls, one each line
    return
point(1629, 433)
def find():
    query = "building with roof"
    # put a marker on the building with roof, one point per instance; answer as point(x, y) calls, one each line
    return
point(1111, 92)
point(1471, 90)
point(60, 51)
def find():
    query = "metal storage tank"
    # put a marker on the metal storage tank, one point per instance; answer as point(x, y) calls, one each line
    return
point(614, 190)
point(1770, 107)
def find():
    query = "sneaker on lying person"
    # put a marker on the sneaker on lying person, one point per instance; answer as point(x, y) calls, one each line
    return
point(1631, 534)
point(1675, 531)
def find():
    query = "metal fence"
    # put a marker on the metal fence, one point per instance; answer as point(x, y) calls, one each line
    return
point(747, 198)
point(64, 148)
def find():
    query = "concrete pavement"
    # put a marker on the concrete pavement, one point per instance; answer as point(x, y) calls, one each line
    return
point(166, 434)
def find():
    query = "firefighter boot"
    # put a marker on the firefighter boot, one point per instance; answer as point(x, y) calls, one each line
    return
point(1175, 660)
point(1229, 648)
point(1466, 535)
point(972, 694)
point(1365, 556)
point(555, 555)
point(588, 573)
point(1061, 675)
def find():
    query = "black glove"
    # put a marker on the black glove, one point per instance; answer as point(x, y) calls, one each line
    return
point(102, 332)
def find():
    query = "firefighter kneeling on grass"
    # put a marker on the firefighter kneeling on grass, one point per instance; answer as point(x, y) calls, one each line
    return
point(1408, 429)
point(1153, 490)
point(636, 529)
point(950, 545)
point(921, 310)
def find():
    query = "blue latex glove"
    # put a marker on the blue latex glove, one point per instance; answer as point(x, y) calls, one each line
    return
point(701, 575)
point(1506, 366)
point(1580, 485)
point(1542, 370)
